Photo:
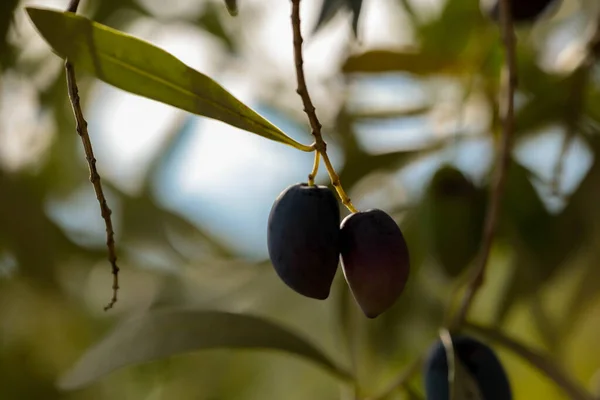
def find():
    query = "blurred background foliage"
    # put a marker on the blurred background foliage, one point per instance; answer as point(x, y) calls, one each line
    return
point(410, 114)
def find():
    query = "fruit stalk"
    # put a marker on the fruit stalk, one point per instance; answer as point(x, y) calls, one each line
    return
point(320, 146)
point(81, 126)
point(315, 170)
point(491, 220)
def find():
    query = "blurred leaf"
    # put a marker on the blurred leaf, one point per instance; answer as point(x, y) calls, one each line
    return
point(539, 112)
point(25, 226)
point(587, 197)
point(346, 313)
point(141, 68)
point(412, 394)
point(583, 296)
point(232, 7)
point(164, 333)
point(7, 8)
point(546, 327)
point(210, 21)
point(464, 51)
point(146, 222)
point(18, 381)
point(412, 225)
point(454, 211)
point(364, 164)
point(356, 7)
point(522, 205)
point(554, 106)
point(533, 79)
point(592, 104)
point(392, 113)
point(414, 62)
point(542, 242)
point(460, 17)
point(330, 8)
point(106, 10)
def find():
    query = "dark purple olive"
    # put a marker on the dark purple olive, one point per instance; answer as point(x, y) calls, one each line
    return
point(374, 259)
point(480, 362)
point(303, 239)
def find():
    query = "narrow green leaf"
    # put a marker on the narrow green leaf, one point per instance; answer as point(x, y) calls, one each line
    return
point(141, 68)
point(163, 333)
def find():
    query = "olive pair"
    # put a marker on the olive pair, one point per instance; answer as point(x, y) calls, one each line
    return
point(306, 242)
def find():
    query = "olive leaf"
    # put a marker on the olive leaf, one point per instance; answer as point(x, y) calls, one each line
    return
point(141, 68)
point(453, 200)
point(409, 60)
point(162, 333)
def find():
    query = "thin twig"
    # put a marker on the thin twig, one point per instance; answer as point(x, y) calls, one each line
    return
point(537, 359)
point(81, 126)
point(302, 90)
point(509, 85)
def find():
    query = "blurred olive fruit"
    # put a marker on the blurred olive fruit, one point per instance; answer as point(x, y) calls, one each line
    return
point(522, 10)
point(303, 239)
point(454, 211)
point(480, 362)
point(374, 259)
